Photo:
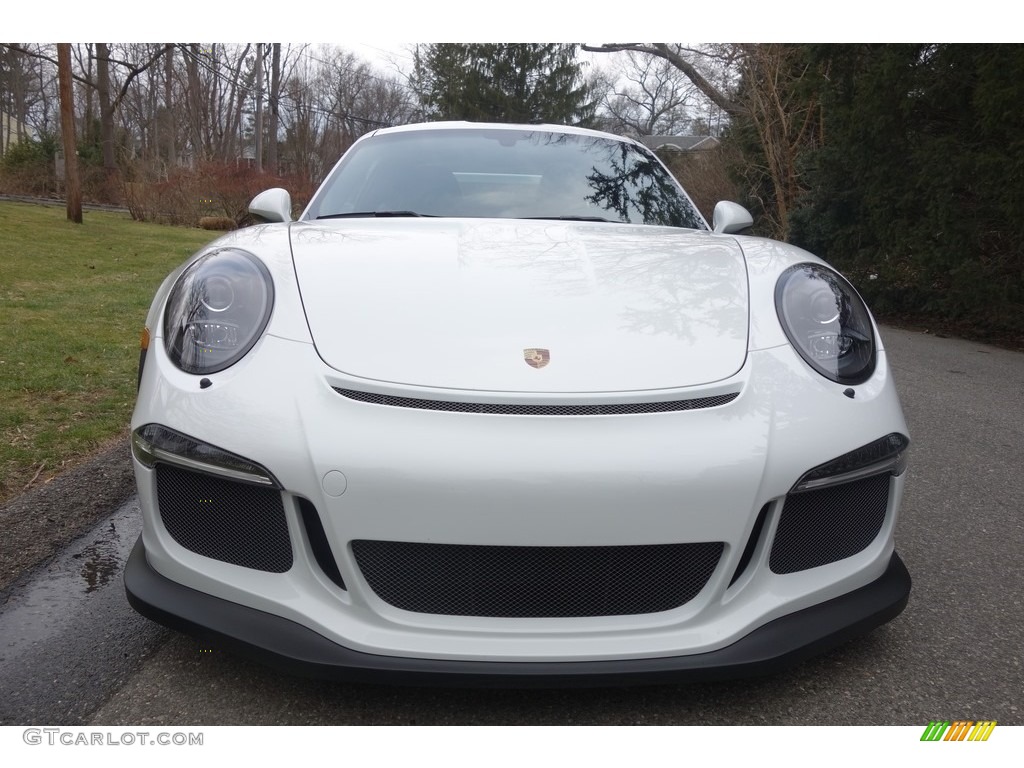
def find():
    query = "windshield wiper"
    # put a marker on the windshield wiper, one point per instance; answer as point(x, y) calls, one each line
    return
point(375, 214)
point(571, 218)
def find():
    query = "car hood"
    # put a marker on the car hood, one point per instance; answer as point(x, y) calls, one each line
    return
point(457, 304)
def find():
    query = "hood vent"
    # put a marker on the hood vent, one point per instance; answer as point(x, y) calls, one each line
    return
point(528, 409)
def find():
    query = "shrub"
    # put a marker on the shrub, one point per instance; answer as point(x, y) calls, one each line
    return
point(217, 223)
point(212, 191)
point(27, 168)
point(705, 175)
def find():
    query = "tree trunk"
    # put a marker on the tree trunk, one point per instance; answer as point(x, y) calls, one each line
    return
point(106, 121)
point(193, 98)
point(172, 159)
point(259, 109)
point(275, 95)
point(72, 183)
point(88, 124)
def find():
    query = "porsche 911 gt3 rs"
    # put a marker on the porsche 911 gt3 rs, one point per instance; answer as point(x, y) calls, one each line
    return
point(501, 407)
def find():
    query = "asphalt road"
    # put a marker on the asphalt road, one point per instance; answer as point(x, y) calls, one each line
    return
point(955, 653)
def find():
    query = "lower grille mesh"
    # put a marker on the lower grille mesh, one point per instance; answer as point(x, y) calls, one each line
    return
point(233, 522)
point(535, 582)
point(829, 524)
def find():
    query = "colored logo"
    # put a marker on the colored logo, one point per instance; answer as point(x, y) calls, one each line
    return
point(958, 730)
point(537, 358)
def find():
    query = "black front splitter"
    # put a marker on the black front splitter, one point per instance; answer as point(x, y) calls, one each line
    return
point(294, 648)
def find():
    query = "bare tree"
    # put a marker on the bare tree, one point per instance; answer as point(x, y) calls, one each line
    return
point(332, 97)
point(219, 84)
point(228, 85)
point(345, 79)
point(258, 131)
point(200, 102)
point(648, 96)
point(170, 128)
point(193, 102)
point(696, 64)
point(769, 74)
point(275, 107)
point(785, 124)
point(106, 117)
point(28, 92)
point(16, 79)
point(303, 120)
point(107, 79)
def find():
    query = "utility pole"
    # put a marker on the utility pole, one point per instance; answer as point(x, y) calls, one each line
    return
point(72, 184)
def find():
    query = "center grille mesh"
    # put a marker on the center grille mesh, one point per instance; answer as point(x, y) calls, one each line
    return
point(526, 409)
point(233, 522)
point(535, 582)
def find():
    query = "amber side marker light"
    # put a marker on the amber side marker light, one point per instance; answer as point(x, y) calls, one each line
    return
point(143, 349)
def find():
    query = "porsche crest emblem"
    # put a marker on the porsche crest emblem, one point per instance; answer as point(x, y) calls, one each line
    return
point(537, 358)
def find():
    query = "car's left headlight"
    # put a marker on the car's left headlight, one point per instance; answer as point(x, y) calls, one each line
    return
point(217, 310)
point(827, 322)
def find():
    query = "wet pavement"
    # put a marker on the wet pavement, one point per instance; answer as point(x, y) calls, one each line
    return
point(68, 638)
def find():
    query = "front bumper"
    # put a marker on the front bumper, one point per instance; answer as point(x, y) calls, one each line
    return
point(290, 646)
point(433, 479)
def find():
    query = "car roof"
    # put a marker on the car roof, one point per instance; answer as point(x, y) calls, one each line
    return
point(448, 125)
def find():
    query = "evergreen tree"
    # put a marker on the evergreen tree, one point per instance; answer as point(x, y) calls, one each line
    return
point(503, 82)
point(917, 189)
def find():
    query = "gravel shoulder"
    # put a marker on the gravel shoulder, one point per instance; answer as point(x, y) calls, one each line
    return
point(41, 522)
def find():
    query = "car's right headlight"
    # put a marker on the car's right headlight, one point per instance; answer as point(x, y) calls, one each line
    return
point(827, 322)
point(217, 310)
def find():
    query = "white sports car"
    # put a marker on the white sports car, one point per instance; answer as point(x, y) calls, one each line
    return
point(500, 407)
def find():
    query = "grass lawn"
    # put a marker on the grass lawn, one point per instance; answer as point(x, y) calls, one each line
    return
point(73, 300)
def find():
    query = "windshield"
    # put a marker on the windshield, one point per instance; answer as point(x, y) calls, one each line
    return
point(503, 173)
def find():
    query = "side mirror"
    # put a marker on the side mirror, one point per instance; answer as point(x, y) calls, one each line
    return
point(272, 205)
point(730, 218)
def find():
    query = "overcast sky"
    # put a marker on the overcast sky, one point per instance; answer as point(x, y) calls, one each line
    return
point(521, 21)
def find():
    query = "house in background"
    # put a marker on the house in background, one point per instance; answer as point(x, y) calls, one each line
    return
point(12, 131)
point(680, 143)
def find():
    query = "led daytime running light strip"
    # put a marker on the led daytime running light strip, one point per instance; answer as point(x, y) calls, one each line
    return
point(149, 453)
point(894, 447)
